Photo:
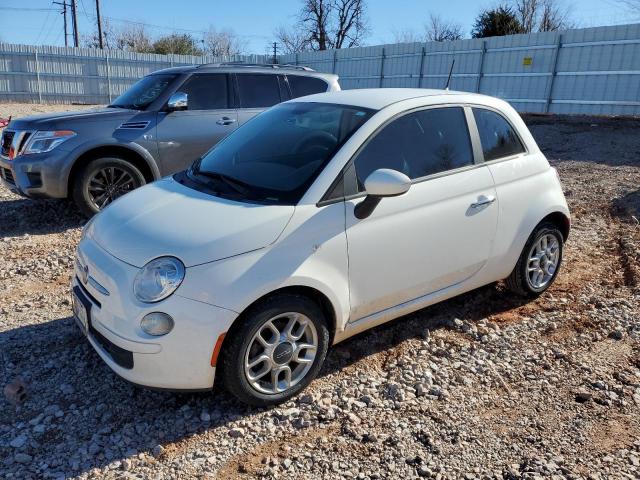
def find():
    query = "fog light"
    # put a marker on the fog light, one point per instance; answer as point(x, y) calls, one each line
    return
point(156, 323)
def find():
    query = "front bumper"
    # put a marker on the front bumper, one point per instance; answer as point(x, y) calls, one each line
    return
point(41, 175)
point(180, 360)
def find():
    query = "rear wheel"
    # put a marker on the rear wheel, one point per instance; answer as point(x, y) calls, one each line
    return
point(103, 180)
point(539, 261)
point(277, 351)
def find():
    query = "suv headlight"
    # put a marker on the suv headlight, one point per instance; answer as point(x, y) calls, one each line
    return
point(45, 141)
point(158, 279)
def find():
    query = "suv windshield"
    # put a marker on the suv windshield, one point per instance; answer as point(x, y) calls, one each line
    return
point(143, 92)
point(277, 155)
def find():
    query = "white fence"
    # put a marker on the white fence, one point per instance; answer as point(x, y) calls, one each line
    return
point(591, 70)
point(83, 75)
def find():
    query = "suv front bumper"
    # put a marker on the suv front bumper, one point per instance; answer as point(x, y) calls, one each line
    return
point(40, 175)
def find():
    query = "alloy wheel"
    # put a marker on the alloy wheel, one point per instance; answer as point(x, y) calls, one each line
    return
point(543, 260)
point(109, 183)
point(281, 353)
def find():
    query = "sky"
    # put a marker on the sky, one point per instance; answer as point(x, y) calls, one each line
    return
point(39, 22)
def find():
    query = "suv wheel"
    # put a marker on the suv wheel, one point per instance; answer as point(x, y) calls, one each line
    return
point(103, 180)
point(277, 351)
point(539, 261)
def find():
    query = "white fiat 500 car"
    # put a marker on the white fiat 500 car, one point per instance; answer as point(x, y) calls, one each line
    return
point(320, 218)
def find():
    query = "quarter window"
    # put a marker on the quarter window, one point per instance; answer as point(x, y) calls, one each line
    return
point(418, 144)
point(498, 138)
point(258, 91)
point(206, 92)
point(301, 86)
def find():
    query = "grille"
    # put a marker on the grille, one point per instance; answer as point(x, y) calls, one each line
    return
point(7, 138)
point(7, 175)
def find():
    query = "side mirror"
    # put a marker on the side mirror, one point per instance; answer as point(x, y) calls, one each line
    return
point(381, 183)
point(178, 101)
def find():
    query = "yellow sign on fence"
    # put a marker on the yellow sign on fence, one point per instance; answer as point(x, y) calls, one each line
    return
point(527, 61)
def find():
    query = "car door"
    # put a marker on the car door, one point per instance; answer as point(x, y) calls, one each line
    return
point(184, 136)
point(257, 92)
point(436, 235)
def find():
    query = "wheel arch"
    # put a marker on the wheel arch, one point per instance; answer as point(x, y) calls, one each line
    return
point(147, 166)
point(560, 220)
point(309, 292)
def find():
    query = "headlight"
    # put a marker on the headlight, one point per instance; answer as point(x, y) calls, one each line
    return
point(45, 141)
point(156, 323)
point(158, 279)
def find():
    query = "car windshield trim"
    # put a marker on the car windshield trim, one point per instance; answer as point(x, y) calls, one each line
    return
point(278, 154)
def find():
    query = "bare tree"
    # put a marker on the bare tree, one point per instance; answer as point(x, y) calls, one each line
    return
point(292, 41)
point(325, 24)
point(542, 15)
point(407, 36)
point(439, 30)
point(109, 36)
point(134, 38)
point(223, 42)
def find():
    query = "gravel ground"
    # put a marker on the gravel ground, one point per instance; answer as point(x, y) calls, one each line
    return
point(481, 386)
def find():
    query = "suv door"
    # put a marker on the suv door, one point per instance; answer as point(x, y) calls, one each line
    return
point(184, 136)
point(257, 92)
point(431, 237)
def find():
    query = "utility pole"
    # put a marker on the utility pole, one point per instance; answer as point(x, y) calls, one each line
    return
point(64, 13)
point(99, 24)
point(275, 52)
point(74, 17)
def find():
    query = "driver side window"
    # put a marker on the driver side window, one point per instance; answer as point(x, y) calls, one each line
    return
point(418, 144)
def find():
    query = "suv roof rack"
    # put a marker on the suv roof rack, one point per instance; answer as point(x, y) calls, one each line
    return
point(259, 65)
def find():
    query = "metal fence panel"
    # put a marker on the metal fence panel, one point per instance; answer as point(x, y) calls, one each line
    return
point(590, 70)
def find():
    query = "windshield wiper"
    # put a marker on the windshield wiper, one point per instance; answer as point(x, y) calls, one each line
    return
point(236, 185)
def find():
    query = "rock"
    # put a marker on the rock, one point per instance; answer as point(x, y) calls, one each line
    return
point(19, 441)
point(157, 451)
point(236, 432)
point(583, 396)
point(22, 458)
point(205, 417)
point(617, 334)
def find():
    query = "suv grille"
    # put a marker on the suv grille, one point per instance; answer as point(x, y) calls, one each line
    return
point(7, 175)
point(7, 138)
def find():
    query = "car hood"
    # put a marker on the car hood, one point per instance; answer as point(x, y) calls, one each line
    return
point(167, 218)
point(47, 119)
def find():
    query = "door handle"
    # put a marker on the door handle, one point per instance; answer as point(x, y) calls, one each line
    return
point(226, 121)
point(483, 200)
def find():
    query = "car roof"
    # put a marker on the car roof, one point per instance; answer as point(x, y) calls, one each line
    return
point(249, 68)
point(379, 98)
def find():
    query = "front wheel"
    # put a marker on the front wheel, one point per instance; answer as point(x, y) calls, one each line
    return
point(103, 180)
point(277, 350)
point(539, 261)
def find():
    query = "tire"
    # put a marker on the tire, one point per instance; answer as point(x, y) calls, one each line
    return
point(525, 283)
point(107, 173)
point(244, 347)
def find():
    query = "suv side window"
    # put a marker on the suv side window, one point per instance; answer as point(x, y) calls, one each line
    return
point(206, 91)
point(301, 86)
point(498, 138)
point(258, 91)
point(418, 144)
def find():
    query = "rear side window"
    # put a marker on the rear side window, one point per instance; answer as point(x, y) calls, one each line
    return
point(498, 138)
point(206, 91)
point(301, 86)
point(258, 91)
point(418, 144)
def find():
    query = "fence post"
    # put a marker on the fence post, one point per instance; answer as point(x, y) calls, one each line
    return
point(38, 76)
point(382, 67)
point(106, 53)
point(479, 77)
point(296, 58)
point(335, 60)
point(554, 67)
point(424, 54)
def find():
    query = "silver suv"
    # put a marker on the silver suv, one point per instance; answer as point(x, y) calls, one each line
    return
point(157, 127)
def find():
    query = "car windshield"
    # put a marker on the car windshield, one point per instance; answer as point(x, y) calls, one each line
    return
point(143, 92)
point(278, 154)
